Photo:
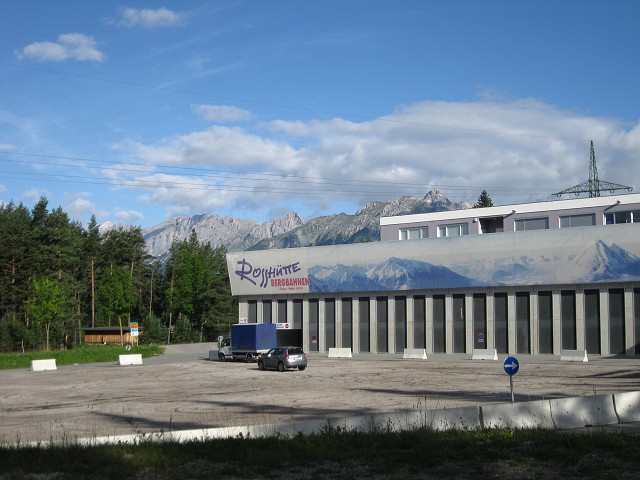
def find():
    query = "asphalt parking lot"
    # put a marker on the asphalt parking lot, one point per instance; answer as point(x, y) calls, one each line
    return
point(184, 390)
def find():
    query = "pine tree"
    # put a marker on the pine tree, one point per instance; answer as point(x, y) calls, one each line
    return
point(484, 200)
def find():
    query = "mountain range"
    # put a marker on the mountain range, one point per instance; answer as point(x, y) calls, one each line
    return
point(238, 234)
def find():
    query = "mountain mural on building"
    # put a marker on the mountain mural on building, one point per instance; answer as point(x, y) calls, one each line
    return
point(598, 263)
point(393, 274)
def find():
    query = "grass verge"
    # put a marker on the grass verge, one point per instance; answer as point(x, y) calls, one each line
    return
point(79, 355)
point(422, 454)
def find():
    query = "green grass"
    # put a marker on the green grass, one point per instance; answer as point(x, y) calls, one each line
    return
point(79, 355)
point(478, 454)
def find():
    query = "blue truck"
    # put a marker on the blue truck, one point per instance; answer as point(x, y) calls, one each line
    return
point(248, 341)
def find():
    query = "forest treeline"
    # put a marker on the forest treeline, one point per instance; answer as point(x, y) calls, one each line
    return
point(58, 278)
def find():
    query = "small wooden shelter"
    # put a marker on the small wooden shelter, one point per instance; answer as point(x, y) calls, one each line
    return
point(107, 335)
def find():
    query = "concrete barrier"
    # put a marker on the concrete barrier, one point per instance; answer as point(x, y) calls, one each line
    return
point(627, 406)
point(485, 354)
point(574, 356)
point(463, 418)
point(536, 414)
point(565, 413)
point(579, 412)
point(213, 355)
point(131, 359)
point(340, 353)
point(415, 353)
point(42, 365)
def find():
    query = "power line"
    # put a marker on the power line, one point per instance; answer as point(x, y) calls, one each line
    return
point(398, 188)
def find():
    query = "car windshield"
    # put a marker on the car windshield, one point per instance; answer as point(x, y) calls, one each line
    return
point(294, 351)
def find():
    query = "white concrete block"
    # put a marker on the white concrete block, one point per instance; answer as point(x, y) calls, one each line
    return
point(536, 414)
point(627, 406)
point(42, 365)
point(579, 412)
point(213, 355)
point(485, 354)
point(574, 356)
point(415, 353)
point(131, 359)
point(340, 353)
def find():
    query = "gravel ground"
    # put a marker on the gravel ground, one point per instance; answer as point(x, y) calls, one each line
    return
point(183, 390)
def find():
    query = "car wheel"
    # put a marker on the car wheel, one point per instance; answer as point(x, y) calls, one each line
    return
point(301, 368)
point(260, 365)
point(280, 367)
point(221, 357)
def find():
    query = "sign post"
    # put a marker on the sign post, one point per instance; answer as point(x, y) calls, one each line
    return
point(133, 331)
point(511, 367)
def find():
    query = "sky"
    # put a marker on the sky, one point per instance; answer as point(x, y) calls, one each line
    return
point(138, 112)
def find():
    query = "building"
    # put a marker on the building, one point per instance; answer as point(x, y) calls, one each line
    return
point(534, 278)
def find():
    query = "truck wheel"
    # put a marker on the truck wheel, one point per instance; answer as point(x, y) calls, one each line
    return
point(280, 367)
point(249, 358)
point(221, 357)
point(260, 365)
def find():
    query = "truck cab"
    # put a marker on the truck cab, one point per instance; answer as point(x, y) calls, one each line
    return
point(224, 349)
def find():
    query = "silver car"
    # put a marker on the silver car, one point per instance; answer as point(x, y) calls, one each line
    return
point(283, 358)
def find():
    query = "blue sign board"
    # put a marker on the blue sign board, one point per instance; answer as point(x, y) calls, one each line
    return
point(511, 366)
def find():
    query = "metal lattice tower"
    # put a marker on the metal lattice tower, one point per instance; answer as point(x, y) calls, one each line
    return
point(593, 186)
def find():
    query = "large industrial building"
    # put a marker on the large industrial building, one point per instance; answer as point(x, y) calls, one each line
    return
point(534, 278)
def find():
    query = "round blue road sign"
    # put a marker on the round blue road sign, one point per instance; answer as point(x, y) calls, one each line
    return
point(511, 366)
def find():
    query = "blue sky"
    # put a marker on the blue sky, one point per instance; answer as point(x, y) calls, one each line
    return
point(138, 112)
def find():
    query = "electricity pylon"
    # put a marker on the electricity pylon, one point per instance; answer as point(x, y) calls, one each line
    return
point(594, 185)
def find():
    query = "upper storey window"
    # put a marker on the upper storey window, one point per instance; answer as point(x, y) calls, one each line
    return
point(454, 230)
point(629, 216)
point(578, 220)
point(532, 224)
point(414, 233)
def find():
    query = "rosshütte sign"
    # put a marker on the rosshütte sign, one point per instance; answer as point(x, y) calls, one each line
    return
point(284, 277)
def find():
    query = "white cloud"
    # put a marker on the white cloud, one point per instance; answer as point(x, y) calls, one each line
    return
point(70, 46)
point(186, 195)
point(127, 216)
point(519, 150)
point(219, 146)
point(78, 206)
point(33, 195)
point(221, 113)
point(149, 18)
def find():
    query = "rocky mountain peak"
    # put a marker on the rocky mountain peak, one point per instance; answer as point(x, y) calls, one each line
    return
point(290, 230)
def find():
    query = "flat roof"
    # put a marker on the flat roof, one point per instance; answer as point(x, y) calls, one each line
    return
point(502, 210)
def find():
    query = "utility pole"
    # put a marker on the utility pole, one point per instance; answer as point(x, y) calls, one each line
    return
point(93, 295)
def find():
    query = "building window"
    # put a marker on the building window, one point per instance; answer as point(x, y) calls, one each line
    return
point(578, 220)
point(629, 216)
point(454, 230)
point(414, 233)
point(532, 224)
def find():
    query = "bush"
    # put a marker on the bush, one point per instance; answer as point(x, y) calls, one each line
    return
point(183, 331)
point(154, 331)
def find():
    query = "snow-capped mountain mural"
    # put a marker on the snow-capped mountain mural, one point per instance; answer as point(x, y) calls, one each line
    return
point(543, 257)
point(600, 263)
point(597, 263)
point(393, 274)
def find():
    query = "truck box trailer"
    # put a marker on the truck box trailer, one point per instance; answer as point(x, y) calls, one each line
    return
point(247, 341)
